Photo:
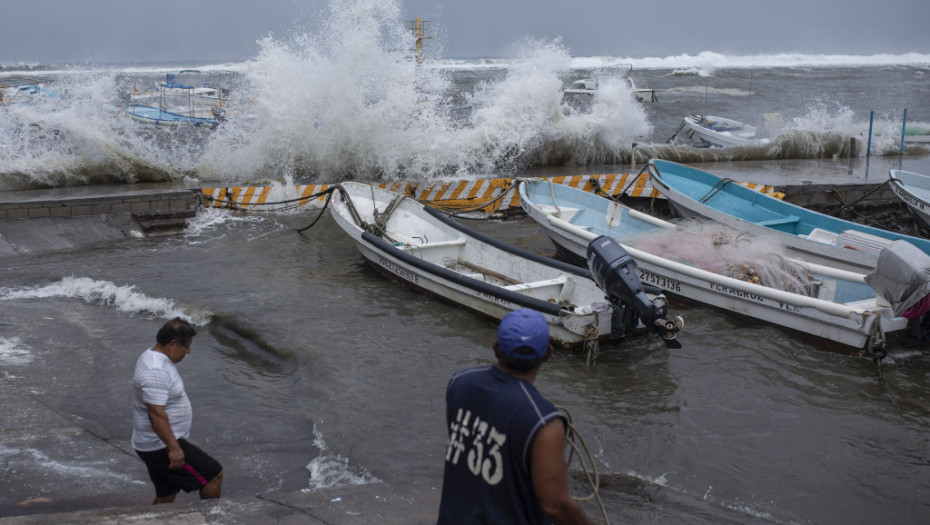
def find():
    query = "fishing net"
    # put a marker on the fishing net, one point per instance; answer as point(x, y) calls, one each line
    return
point(725, 251)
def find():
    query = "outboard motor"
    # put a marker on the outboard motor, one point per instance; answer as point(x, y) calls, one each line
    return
point(902, 277)
point(615, 271)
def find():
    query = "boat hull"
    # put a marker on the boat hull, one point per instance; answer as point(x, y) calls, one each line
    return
point(158, 117)
point(584, 216)
point(720, 132)
point(914, 191)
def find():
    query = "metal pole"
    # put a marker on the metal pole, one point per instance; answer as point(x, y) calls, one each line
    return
point(903, 127)
point(868, 149)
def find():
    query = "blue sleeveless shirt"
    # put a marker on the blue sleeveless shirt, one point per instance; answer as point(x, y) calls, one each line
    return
point(493, 419)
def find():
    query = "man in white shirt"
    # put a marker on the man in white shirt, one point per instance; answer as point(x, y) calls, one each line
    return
point(162, 418)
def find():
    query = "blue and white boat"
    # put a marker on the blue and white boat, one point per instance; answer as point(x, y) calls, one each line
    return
point(715, 267)
point(25, 90)
point(808, 235)
point(179, 103)
point(153, 116)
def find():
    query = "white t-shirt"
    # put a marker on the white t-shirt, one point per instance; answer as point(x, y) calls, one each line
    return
point(156, 381)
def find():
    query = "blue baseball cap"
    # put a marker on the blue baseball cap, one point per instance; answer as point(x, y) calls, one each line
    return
point(523, 328)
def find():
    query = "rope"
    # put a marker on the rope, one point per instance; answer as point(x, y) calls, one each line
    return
point(849, 207)
point(329, 197)
point(234, 206)
point(379, 227)
point(591, 344)
point(876, 347)
point(208, 201)
point(595, 183)
point(682, 125)
point(558, 211)
point(453, 211)
point(572, 435)
point(635, 179)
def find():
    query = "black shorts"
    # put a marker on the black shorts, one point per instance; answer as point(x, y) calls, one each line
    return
point(198, 470)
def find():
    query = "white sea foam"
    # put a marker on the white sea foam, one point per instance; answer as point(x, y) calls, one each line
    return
point(342, 103)
point(123, 298)
point(707, 62)
point(35, 459)
point(14, 352)
point(329, 469)
point(208, 220)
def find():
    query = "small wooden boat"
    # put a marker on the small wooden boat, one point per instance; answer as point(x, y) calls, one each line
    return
point(25, 90)
point(183, 99)
point(159, 117)
point(719, 132)
point(808, 235)
point(914, 190)
point(422, 248)
point(713, 266)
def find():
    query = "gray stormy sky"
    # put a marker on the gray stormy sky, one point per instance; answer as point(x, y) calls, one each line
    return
point(101, 31)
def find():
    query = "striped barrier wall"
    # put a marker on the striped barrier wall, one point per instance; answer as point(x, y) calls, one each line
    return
point(488, 195)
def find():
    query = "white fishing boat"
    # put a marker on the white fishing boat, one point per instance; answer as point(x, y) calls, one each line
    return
point(719, 132)
point(424, 249)
point(711, 264)
point(580, 93)
point(914, 190)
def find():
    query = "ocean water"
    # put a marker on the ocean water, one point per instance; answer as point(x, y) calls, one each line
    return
point(311, 370)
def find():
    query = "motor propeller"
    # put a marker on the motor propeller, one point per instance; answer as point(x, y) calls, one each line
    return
point(615, 271)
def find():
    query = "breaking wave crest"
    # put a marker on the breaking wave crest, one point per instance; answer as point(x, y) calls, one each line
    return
point(329, 469)
point(123, 298)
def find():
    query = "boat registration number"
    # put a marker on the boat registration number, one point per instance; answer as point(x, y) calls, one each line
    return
point(657, 280)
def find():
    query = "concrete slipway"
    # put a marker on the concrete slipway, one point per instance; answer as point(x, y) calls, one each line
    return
point(37, 221)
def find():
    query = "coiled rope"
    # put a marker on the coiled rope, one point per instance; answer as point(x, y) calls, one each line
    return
point(574, 439)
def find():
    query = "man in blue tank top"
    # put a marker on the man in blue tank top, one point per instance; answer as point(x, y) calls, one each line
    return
point(505, 460)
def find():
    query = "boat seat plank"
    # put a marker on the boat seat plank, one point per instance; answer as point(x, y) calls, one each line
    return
point(562, 212)
point(789, 219)
point(558, 281)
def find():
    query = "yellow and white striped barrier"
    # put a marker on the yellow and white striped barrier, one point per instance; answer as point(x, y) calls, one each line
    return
point(477, 194)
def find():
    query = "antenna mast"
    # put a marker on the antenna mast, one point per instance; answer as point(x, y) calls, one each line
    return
point(421, 30)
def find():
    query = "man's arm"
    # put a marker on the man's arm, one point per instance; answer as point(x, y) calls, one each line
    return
point(162, 427)
point(550, 476)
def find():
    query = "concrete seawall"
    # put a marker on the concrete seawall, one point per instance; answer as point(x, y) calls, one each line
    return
point(95, 200)
point(65, 218)
point(828, 197)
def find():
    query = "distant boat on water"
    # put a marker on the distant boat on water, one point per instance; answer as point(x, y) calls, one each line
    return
point(581, 93)
point(24, 90)
point(719, 132)
point(188, 98)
